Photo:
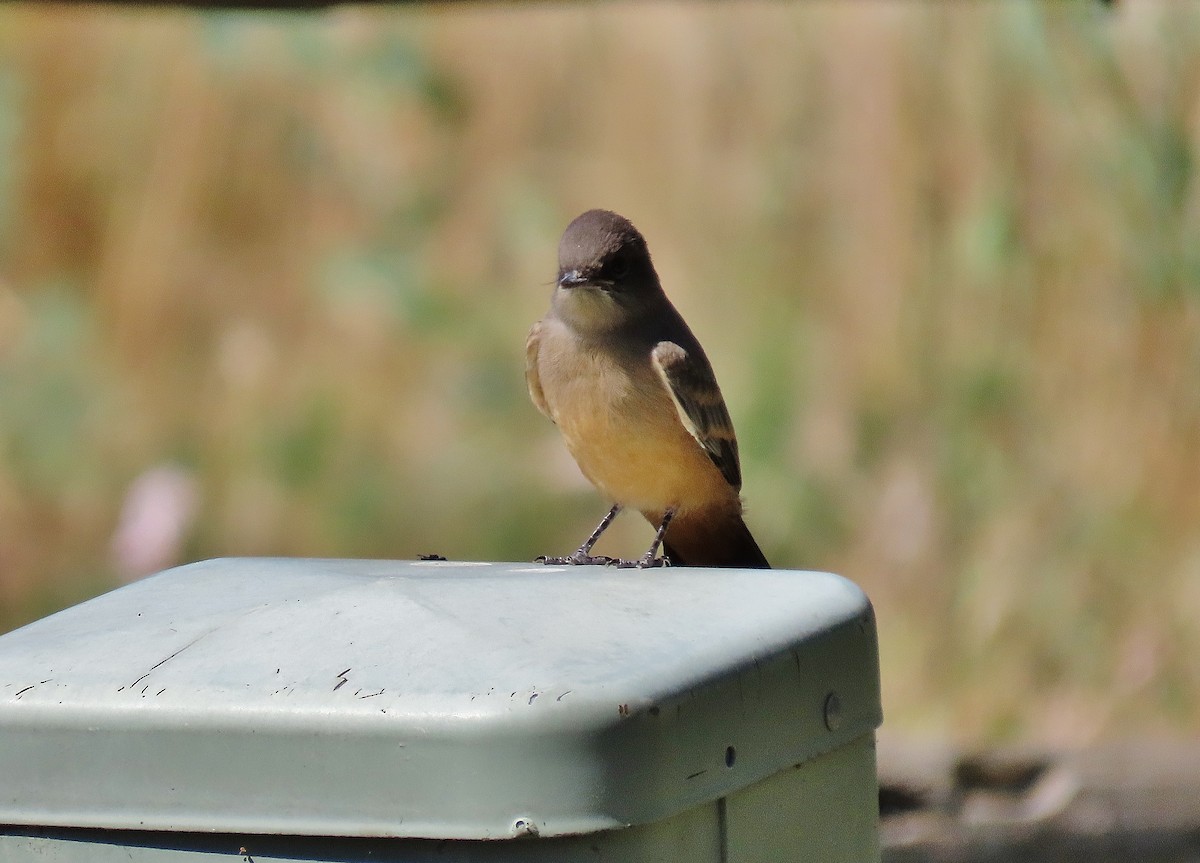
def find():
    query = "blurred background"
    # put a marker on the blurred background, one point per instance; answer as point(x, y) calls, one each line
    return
point(265, 281)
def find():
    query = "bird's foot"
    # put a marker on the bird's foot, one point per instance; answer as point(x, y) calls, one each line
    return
point(577, 558)
point(646, 561)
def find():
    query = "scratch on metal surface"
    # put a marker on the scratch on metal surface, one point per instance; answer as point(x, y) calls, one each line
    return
point(163, 662)
point(21, 692)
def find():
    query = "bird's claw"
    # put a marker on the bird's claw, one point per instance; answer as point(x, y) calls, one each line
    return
point(576, 559)
point(645, 562)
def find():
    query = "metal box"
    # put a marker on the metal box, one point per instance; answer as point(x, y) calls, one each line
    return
point(415, 711)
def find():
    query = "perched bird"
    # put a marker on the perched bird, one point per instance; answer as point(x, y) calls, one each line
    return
point(615, 367)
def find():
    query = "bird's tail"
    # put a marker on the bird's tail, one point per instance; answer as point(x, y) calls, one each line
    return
point(703, 540)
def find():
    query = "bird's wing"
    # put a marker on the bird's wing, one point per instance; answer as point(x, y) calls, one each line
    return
point(531, 369)
point(702, 410)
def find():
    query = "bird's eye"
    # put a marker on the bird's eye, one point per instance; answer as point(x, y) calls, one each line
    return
point(617, 267)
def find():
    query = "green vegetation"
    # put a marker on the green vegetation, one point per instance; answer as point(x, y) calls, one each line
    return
point(944, 259)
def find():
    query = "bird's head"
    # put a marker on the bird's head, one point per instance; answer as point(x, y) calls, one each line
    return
point(605, 276)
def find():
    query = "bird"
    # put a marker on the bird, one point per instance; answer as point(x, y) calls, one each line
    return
point(614, 366)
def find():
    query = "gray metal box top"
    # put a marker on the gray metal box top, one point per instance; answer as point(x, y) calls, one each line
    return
point(442, 700)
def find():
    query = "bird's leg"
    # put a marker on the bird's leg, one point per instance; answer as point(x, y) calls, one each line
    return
point(582, 555)
point(651, 558)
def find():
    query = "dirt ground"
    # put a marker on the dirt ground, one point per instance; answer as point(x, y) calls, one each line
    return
point(1124, 802)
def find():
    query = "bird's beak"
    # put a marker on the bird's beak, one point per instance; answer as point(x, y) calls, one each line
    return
point(571, 279)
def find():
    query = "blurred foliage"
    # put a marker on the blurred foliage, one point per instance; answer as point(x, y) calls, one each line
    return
point(943, 258)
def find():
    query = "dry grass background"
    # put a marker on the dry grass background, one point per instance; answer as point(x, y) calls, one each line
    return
point(944, 259)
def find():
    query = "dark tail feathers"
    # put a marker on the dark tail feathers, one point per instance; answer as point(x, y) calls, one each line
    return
point(700, 542)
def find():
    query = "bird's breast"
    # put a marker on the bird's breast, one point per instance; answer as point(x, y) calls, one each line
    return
point(624, 431)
